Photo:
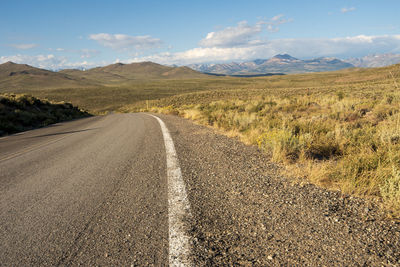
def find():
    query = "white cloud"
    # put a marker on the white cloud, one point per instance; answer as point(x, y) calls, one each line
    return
point(242, 34)
point(48, 61)
point(42, 61)
point(123, 42)
point(23, 46)
point(230, 45)
point(347, 9)
point(201, 54)
point(277, 17)
point(303, 48)
point(273, 23)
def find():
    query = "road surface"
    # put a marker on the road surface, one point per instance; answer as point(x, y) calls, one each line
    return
point(97, 191)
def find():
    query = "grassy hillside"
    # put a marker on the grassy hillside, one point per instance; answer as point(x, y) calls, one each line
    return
point(343, 134)
point(128, 73)
point(21, 112)
point(105, 88)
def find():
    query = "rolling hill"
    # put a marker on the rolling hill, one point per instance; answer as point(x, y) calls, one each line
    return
point(119, 72)
point(17, 77)
point(111, 87)
point(22, 76)
point(103, 88)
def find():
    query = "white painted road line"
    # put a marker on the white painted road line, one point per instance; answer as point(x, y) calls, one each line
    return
point(178, 206)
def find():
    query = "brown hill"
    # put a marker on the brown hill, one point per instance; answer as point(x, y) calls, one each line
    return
point(182, 72)
point(16, 77)
point(135, 71)
point(21, 76)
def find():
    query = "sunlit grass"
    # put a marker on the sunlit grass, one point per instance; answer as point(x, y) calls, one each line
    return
point(341, 137)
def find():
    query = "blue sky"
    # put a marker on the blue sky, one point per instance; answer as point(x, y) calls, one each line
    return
point(68, 34)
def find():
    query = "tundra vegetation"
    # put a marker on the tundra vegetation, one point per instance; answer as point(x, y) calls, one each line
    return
point(336, 130)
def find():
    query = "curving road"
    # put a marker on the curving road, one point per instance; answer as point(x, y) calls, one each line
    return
point(92, 191)
point(95, 192)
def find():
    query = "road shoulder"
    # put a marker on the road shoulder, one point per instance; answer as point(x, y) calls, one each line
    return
point(244, 212)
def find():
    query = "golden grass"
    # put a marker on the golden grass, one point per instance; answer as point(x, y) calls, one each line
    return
point(340, 136)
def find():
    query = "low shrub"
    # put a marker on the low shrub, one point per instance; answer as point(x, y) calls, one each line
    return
point(23, 112)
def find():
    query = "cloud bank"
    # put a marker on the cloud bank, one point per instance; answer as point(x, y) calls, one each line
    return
point(344, 47)
point(48, 61)
point(303, 48)
point(240, 35)
point(243, 34)
point(241, 42)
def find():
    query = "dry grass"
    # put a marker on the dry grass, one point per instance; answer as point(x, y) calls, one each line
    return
point(345, 137)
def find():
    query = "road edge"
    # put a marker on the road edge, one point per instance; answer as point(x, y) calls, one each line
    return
point(180, 243)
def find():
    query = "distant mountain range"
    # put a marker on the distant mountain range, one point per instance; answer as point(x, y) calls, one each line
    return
point(16, 76)
point(374, 61)
point(277, 64)
point(288, 64)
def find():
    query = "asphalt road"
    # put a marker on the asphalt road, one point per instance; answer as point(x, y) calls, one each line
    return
point(91, 191)
point(95, 192)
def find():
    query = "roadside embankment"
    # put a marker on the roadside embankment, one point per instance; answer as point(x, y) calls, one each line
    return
point(23, 112)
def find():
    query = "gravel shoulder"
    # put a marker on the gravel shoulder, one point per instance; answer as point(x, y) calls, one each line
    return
point(245, 213)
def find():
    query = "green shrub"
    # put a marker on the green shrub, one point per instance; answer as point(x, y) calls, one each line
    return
point(22, 112)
